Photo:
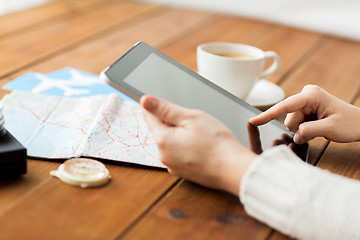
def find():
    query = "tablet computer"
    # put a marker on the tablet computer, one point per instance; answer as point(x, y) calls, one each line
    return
point(146, 70)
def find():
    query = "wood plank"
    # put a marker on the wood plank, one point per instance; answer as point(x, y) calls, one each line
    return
point(135, 189)
point(46, 208)
point(333, 67)
point(343, 159)
point(180, 216)
point(157, 31)
point(25, 19)
point(28, 47)
point(18, 188)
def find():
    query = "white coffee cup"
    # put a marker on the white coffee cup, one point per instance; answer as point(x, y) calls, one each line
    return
point(234, 67)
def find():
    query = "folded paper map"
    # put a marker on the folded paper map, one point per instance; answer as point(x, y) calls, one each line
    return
point(71, 113)
point(101, 126)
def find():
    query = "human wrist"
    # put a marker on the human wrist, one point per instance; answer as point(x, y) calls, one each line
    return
point(237, 162)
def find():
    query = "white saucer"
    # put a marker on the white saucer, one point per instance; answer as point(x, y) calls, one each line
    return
point(265, 94)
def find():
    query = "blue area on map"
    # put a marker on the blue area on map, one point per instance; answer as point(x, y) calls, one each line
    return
point(25, 82)
point(70, 82)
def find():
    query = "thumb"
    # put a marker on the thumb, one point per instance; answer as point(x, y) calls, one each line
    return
point(310, 130)
point(165, 111)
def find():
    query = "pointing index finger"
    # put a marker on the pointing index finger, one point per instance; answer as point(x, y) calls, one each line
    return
point(289, 105)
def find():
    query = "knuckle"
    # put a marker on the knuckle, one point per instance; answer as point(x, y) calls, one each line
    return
point(290, 126)
point(312, 90)
point(303, 131)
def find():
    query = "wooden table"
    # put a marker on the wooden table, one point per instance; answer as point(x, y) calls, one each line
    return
point(143, 203)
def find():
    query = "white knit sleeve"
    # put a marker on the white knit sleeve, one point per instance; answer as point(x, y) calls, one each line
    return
point(299, 199)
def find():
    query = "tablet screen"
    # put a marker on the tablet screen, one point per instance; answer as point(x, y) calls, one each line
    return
point(156, 75)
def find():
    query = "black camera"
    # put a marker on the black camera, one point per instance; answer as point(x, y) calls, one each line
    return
point(12, 156)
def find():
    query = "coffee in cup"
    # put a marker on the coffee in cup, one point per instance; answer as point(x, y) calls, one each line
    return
point(234, 67)
point(234, 55)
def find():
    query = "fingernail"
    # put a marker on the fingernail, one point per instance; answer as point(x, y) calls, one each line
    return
point(298, 139)
point(251, 120)
point(150, 104)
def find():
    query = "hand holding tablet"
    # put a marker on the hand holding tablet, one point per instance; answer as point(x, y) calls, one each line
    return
point(146, 70)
